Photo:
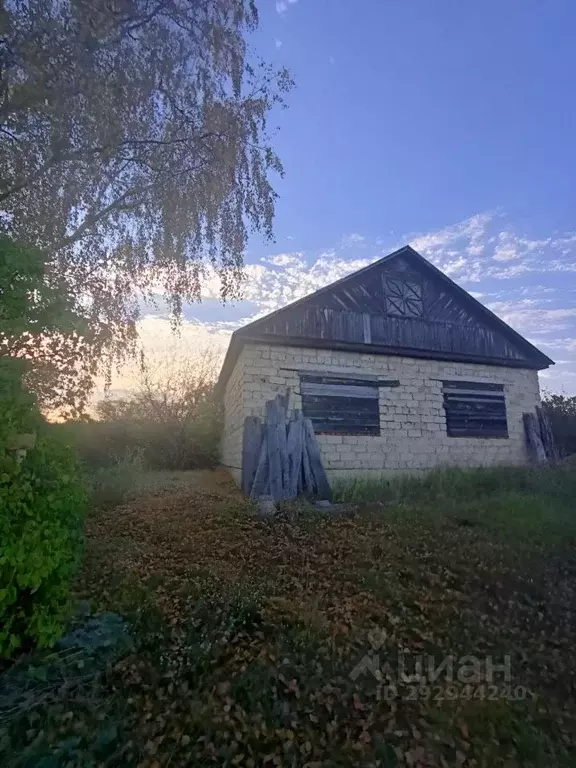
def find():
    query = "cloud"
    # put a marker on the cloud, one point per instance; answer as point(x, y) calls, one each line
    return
point(282, 278)
point(562, 344)
point(278, 43)
point(472, 231)
point(283, 5)
point(485, 246)
point(189, 334)
point(511, 247)
point(532, 319)
point(505, 251)
point(286, 260)
point(355, 238)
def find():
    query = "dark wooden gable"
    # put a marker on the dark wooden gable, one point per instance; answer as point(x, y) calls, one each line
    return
point(401, 304)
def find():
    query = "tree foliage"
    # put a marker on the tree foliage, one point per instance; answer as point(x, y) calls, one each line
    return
point(171, 390)
point(45, 341)
point(561, 410)
point(134, 146)
point(41, 498)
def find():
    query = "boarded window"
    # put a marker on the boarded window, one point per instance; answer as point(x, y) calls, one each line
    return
point(341, 406)
point(474, 409)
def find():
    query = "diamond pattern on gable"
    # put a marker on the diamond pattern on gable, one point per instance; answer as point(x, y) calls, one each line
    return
point(403, 297)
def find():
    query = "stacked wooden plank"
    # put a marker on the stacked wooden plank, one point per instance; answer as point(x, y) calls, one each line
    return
point(539, 438)
point(281, 457)
point(550, 447)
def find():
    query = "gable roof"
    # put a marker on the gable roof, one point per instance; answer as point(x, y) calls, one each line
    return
point(399, 305)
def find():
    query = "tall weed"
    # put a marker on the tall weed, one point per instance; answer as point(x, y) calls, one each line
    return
point(111, 485)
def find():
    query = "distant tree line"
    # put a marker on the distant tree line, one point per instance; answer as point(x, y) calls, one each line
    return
point(561, 410)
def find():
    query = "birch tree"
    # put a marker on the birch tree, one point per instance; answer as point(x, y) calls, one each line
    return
point(135, 148)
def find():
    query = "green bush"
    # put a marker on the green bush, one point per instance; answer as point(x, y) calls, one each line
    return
point(160, 445)
point(41, 498)
point(42, 503)
point(192, 445)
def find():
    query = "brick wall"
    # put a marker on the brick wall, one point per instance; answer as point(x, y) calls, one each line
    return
point(413, 425)
point(231, 445)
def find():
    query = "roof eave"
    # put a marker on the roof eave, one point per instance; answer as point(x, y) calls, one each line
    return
point(239, 339)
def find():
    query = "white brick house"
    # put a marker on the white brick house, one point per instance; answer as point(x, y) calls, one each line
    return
point(397, 367)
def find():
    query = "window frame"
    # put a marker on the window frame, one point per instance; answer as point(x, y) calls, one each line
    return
point(350, 392)
point(494, 418)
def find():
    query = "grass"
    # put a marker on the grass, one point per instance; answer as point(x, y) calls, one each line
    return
point(460, 485)
point(526, 505)
point(128, 478)
point(244, 633)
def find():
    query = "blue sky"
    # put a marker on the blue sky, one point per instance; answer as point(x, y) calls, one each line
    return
point(450, 125)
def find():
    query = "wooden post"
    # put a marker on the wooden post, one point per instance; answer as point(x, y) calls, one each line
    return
point(547, 435)
point(251, 442)
point(534, 443)
point(316, 466)
point(274, 456)
point(282, 403)
point(261, 482)
point(294, 449)
point(308, 484)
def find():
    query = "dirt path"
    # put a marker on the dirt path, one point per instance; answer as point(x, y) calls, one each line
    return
point(299, 601)
point(176, 526)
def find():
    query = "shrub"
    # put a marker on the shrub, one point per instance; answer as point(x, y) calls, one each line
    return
point(41, 507)
point(42, 503)
point(159, 445)
point(41, 497)
point(170, 419)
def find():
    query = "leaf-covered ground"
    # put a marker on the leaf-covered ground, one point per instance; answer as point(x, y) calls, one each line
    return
point(280, 642)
